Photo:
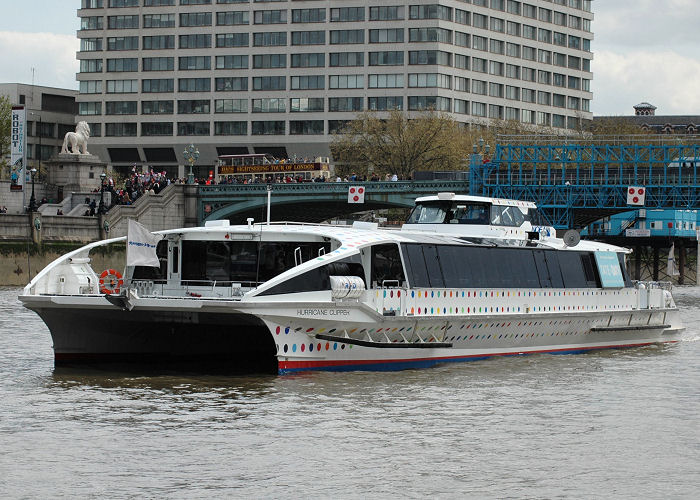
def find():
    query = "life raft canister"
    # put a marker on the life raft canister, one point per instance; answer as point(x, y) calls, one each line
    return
point(111, 282)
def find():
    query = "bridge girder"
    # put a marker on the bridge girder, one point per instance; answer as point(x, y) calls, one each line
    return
point(311, 202)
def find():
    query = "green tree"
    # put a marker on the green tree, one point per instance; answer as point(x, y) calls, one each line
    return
point(399, 144)
point(5, 124)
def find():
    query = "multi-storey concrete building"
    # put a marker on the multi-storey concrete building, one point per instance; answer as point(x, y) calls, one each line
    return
point(238, 76)
point(50, 114)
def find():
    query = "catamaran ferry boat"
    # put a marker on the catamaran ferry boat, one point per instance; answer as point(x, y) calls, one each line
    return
point(465, 278)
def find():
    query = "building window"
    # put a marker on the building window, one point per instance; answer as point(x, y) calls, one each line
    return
point(150, 129)
point(122, 22)
point(123, 3)
point(91, 4)
point(270, 39)
point(159, 21)
point(199, 41)
point(190, 63)
point(462, 17)
point(461, 84)
point(275, 127)
point(392, 35)
point(122, 86)
point(266, 61)
point(231, 106)
point(192, 19)
point(479, 109)
point(429, 80)
point(89, 108)
point(386, 81)
point(193, 128)
point(312, 82)
point(306, 104)
point(314, 60)
point(386, 58)
point(347, 14)
point(91, 23)
point(120, 130)
point(194, 107)
point(232, 62)
point(269, 105)
point(345, 81)
point(479, 87)
point(429, 35)
point(433, 11)
point(309, 37)
point(159, 42)
point(438, 57)
point(306, 127)
point(121, 107)
point(308, 15)
point(385, 103)
point(461, 61)
point(194, 84)
point(339, 59)
point(233, 18)
point(269, 83)
point(157, 85)
point(157, 108)
point(270, 17)
point(341, 104)
point(232, 40)
point(123, 43)
point(419, 103)
point(461, 106)
point(387, 13)
point(346, 37)
point(231, 128)
point(91, 65)
point(158, 63)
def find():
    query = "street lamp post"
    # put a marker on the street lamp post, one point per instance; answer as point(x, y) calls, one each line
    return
point(32, 200)
point(478, 151)
point(101, 208)
point(191, 154)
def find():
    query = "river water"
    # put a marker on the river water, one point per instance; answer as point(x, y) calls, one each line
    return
point(622, 424)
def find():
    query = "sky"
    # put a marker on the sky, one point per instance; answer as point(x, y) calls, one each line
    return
point(644, 51)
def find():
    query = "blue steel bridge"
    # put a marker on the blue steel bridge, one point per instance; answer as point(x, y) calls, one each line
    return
point(574, 185)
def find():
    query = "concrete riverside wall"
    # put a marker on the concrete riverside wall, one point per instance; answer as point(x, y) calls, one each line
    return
point(165, 210)
point(20, 262)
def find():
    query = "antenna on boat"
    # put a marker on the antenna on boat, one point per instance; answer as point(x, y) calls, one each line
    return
point(269, 196)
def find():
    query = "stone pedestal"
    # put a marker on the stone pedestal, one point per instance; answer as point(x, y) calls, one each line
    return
point(69, 173)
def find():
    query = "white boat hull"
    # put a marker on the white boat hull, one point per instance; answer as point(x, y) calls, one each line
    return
point(290, 337)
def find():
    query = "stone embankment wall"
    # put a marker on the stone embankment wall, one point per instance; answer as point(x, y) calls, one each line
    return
point(29, 242)
point(20, 262)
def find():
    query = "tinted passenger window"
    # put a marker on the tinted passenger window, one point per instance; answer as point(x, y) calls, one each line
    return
point(386, 265)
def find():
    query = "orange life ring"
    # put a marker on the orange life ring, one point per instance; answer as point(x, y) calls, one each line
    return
point(111, 282)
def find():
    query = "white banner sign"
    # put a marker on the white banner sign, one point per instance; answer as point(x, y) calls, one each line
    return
point(18, 156)
point(141, 246)
point(638, 233)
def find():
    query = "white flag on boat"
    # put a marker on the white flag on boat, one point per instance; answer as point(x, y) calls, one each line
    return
point(141, 246)
point(671, 267)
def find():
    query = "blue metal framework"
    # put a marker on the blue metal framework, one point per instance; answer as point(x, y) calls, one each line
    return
point(575, 184)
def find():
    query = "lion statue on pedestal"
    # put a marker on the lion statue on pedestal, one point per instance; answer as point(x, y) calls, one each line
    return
point(77, 140)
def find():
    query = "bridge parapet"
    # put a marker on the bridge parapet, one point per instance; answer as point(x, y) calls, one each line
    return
point(314, 201)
